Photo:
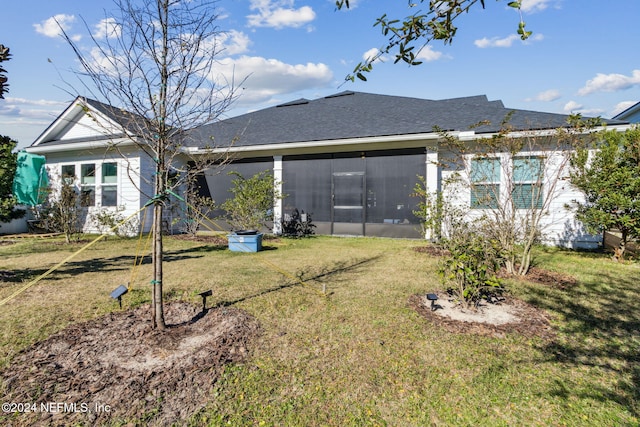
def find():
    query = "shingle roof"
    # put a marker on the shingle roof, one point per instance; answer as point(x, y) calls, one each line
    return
point(361, 115)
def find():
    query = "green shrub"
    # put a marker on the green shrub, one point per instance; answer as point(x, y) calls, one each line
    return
point(470, 269)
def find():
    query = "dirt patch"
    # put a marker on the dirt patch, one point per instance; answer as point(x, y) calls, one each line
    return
point(491, 319)
point(432, 250)
point(120, 361)
point(211, 240)
point(551, 278)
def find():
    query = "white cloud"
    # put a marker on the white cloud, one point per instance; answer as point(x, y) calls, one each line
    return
point(52, 27)
point(425, 54)
point(621, 106)
point(107, 28)
point(279, 14)
point(234, 42)
point(39, 102)
point(534, 5)
point(505, 41)
point(573, 107)
point(546, 96)
point(266, 78)
point(371, 53)
point(610, 83)
point(428, 54)
point(496, 41)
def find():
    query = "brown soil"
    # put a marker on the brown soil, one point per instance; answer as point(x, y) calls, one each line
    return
point(551, 278)
point(120, 361)
point(491, 319)
point(432, 250)
point(211, 240)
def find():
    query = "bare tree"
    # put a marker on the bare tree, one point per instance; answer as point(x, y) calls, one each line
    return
point(154, 63)
point(513, 179)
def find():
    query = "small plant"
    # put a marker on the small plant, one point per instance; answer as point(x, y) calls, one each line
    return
point(297, 225)
point(429, 209)
point(470, 269)
point(198, 208)
point(62, 212)
point(108, 220)
point(252, 203)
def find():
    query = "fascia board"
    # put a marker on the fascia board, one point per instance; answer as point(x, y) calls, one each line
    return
point(400, 141)
point(77, 107)
point(79, 146)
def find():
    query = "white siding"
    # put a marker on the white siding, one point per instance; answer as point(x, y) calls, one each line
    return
point(85, 126)
point(558, 224)
point(128, 181)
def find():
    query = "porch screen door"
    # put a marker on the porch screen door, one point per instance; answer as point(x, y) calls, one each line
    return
point(348, 203)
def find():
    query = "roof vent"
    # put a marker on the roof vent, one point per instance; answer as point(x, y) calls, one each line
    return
point(300, 101)
point(337, 95)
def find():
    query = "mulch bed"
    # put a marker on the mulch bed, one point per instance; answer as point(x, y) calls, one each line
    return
point(532, 322)
point(120, 361)
point(535, 274)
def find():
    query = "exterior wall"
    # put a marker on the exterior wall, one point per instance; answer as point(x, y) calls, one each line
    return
point(128, 181)
point(17, 226)
point(632, 116)
point(558, 224)
point(83, 126)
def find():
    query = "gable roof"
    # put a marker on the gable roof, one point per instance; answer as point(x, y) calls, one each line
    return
point(75, 125)
point(631, 114)
point(348, 115)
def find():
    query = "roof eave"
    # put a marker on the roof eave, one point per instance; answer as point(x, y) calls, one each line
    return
point(52, 147)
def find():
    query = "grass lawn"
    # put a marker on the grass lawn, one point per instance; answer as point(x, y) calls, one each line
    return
point(360, 356)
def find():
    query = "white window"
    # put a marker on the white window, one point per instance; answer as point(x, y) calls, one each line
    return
point(109, 184)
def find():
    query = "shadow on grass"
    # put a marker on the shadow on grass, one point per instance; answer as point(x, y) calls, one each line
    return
point(308, 274)
point(106, 265)
point(602, 329)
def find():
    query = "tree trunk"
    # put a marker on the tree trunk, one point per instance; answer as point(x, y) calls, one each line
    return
point(157, 308)
point(618, 253)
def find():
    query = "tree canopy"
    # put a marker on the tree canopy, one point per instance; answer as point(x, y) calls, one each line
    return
point(432, 20)
point(609, 177)
point(8, 163)
point(4, 56)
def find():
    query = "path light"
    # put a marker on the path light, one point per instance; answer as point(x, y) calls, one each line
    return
point(204, 296)
point(433, 298)
point(118, 292)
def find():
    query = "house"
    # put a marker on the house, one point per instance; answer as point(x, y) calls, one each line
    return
point(351, 159)
point(631, 114)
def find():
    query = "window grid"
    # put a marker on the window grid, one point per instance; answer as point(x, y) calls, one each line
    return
point(109, 195)
point(527, 182)
point(485, 183)
point(88, 184)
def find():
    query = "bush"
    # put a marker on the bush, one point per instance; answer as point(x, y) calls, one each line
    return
point(470, 269)
point(297, 225)
point(252, 203)
point(108, 220)
point(62, 212)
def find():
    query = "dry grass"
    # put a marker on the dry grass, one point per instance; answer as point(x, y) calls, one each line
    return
point(361, 356)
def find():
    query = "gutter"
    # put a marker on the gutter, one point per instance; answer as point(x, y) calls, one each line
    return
point(75, 146)
point(310, 145)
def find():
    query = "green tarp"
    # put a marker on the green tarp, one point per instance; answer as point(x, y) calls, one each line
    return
point(31, 181)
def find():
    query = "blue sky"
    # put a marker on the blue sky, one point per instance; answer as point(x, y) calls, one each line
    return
point(583, 55)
